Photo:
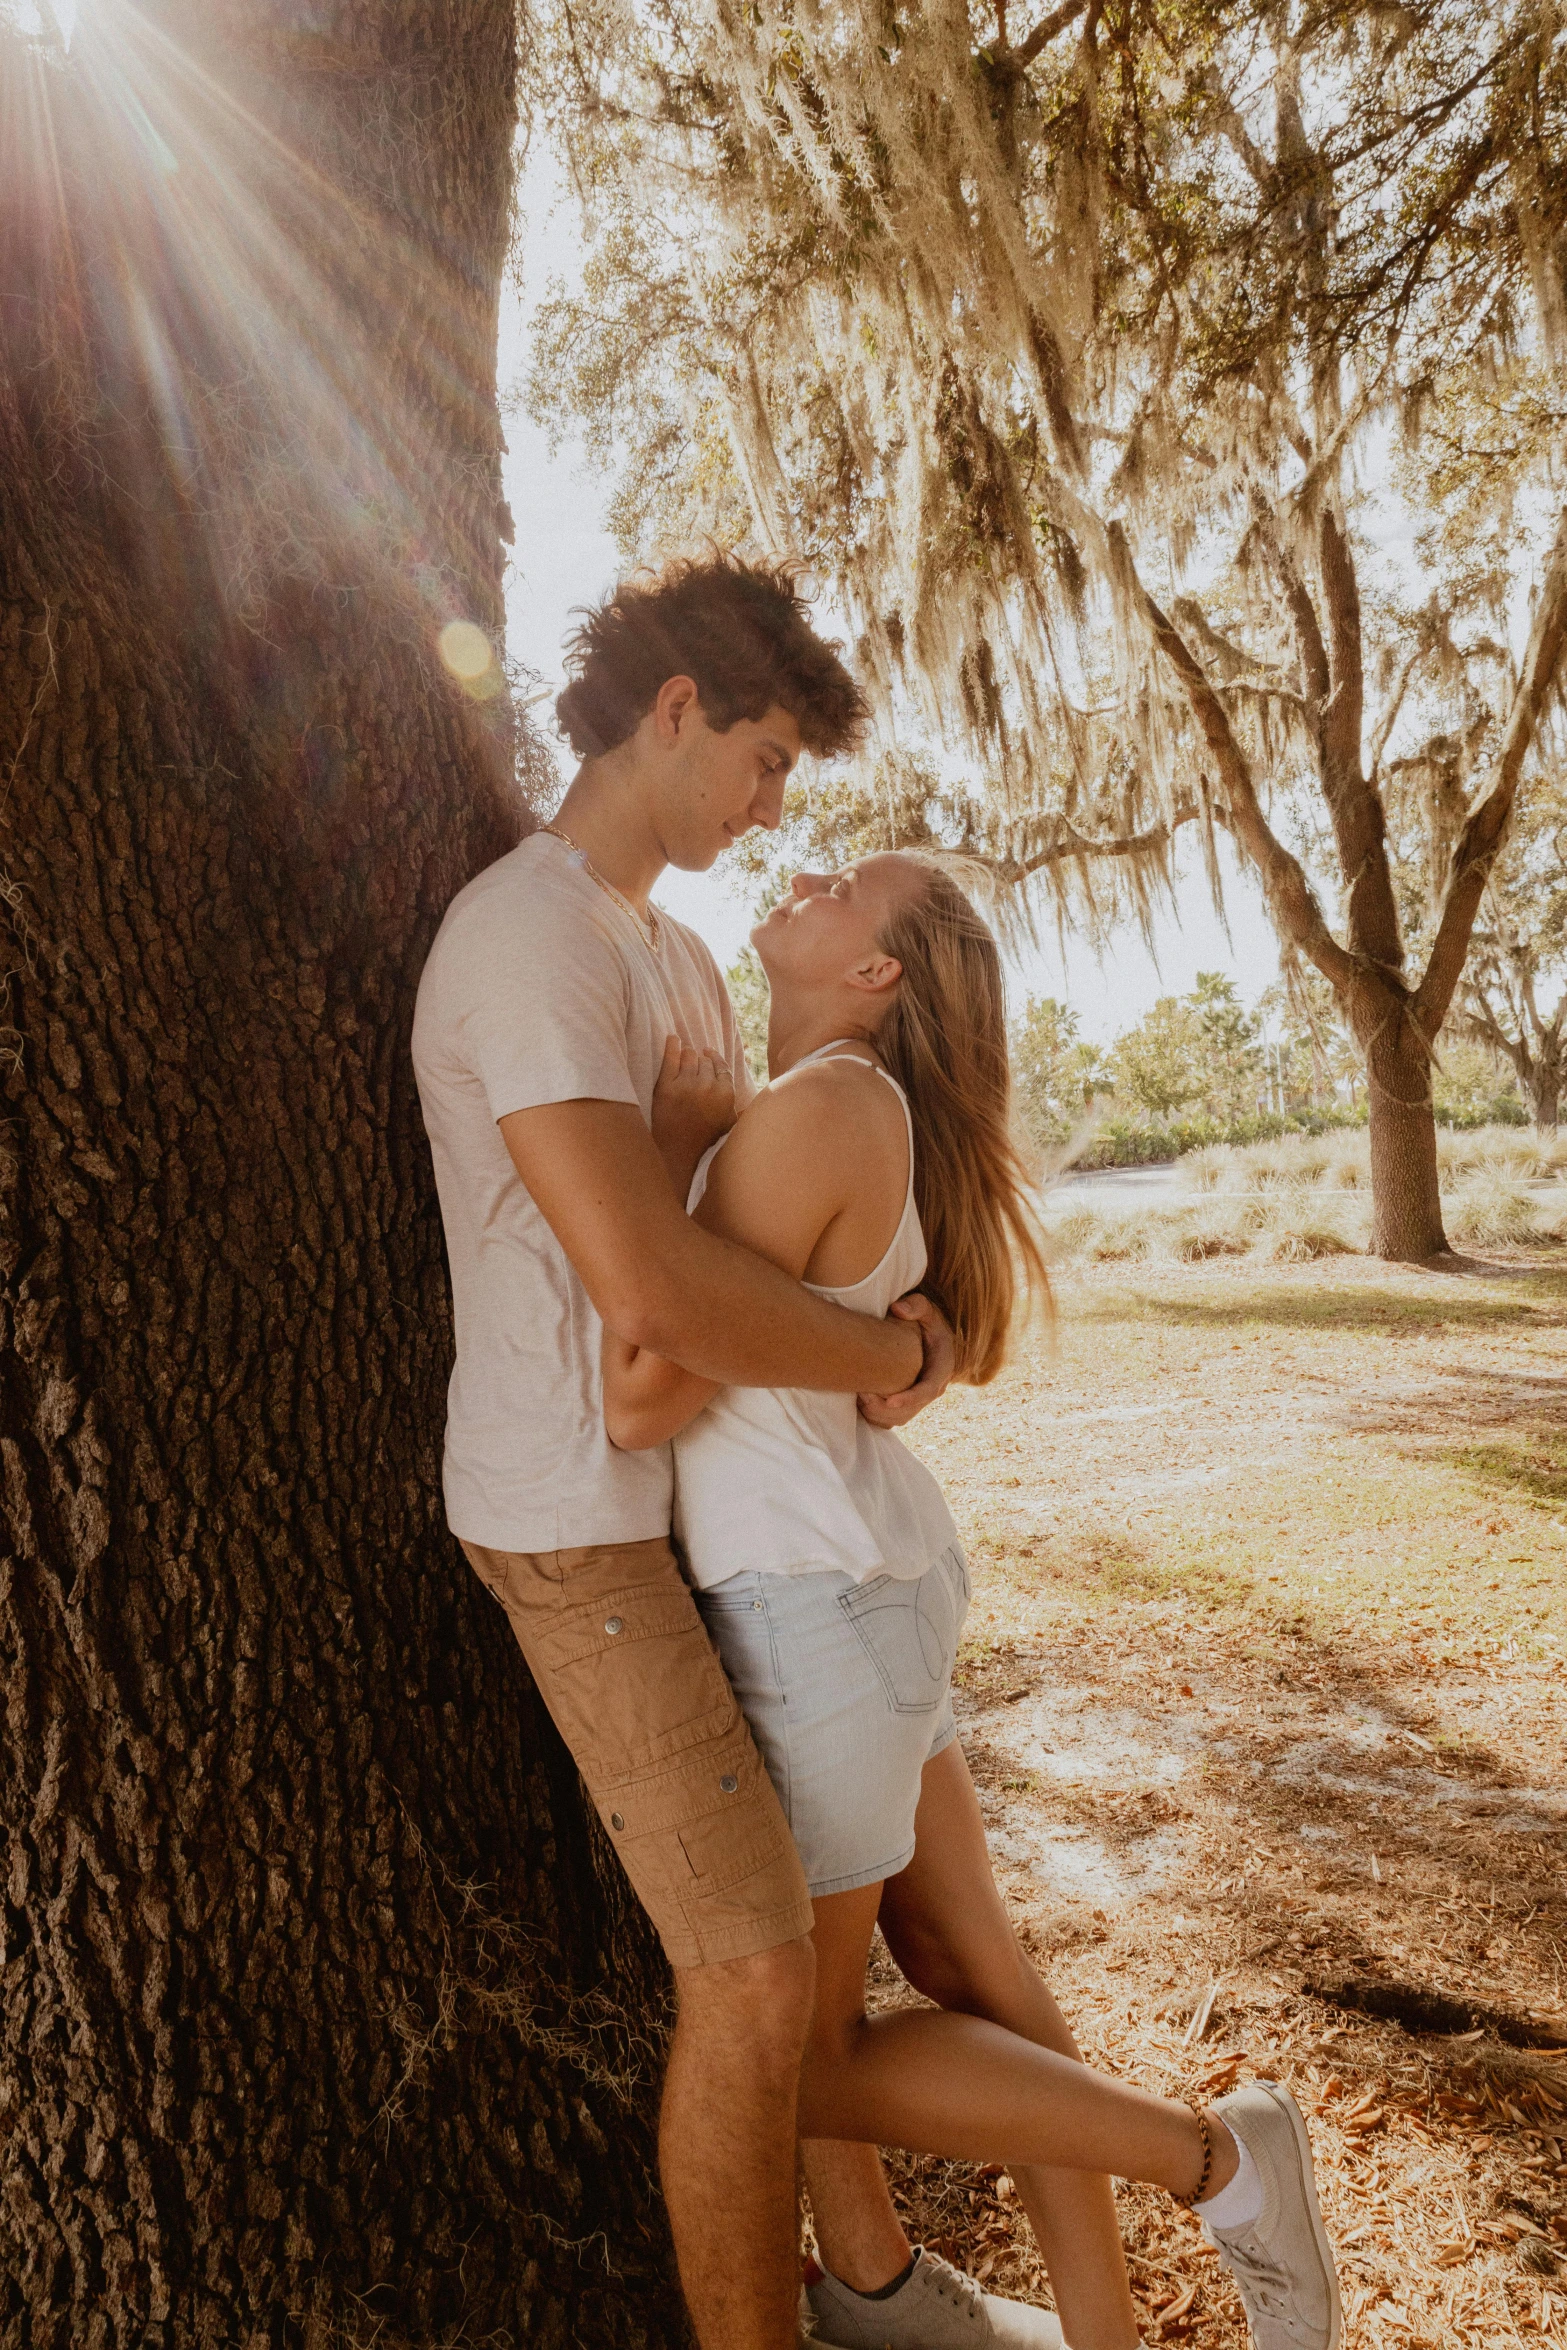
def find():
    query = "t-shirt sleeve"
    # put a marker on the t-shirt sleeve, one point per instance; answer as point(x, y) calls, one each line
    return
point(544, 1004)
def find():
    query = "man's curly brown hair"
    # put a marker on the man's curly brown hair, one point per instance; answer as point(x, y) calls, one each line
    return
point(741, 631)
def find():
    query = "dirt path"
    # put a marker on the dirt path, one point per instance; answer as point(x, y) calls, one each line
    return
point(1265, 1688)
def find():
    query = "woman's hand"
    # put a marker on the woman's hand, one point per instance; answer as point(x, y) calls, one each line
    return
point(693, 1104)
point(896, 1411)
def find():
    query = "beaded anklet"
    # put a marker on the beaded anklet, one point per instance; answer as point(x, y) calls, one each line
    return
point(1207, 2159)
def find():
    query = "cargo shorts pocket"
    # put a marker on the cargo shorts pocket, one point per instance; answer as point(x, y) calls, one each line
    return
point(725, 1848)
point(632, 1680)
point(908, 1629)
point(742, 1861)
point(709, 1854)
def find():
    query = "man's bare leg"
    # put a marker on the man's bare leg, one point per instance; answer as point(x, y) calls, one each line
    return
point(727, 2144)
point(991, 2072)
point(858, 2233)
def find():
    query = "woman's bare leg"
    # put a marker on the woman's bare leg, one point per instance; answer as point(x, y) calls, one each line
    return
point(959, 2083)
point(948, 1929)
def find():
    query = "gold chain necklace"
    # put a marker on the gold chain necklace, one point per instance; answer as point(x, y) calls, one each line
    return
point(650, 929)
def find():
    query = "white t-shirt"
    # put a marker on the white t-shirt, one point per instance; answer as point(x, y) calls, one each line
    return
point(540, 988)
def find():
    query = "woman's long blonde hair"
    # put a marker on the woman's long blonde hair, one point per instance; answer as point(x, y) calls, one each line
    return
point(944, 1038)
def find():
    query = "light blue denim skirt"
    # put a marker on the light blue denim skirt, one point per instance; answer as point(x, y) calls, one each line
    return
point(848, 1690)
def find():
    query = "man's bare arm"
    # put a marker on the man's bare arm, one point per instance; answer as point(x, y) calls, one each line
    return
point(663, 1283)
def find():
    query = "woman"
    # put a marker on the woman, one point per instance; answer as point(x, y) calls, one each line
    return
point(830, 1575)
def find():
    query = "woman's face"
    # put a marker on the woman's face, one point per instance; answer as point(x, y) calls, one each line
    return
point(826, 931)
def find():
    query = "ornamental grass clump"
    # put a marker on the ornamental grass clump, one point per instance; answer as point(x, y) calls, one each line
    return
point(1528, 1157)
point(1493, 1208)
point(1309, 1196)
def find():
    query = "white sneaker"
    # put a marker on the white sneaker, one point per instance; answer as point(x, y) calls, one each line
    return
point(1282, 2262)
point(937, 2308)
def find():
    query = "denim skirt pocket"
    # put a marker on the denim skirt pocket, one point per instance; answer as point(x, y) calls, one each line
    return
point(907, 1630)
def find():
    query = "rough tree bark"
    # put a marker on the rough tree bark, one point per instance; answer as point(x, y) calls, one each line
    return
point(311, 1982)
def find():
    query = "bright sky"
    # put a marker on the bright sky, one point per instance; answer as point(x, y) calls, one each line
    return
point(564, 556)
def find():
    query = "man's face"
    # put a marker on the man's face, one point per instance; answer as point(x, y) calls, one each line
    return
point(714, 787)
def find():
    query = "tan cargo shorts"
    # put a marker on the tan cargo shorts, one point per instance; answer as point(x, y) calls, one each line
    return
point(623, 1661)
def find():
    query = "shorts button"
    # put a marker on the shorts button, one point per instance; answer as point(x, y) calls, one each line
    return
point(756, 1607)
point(612, 1624)
point(615, 1820)
point(729, 1783)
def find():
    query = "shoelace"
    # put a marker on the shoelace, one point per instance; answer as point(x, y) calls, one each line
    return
point(1260, 2278)
point(952, 2285)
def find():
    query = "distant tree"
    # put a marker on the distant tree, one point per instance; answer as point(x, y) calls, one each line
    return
point(1072, 355)
point(1321, 1064)
point(1231, 1043)
point(1520, 959)
point(748, 992)
point(1196, 1050)
point(1161, 1064)
point(1472, 1086)
point(1055, 1074)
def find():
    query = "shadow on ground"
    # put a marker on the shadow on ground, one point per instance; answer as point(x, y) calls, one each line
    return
point(1359, 1308)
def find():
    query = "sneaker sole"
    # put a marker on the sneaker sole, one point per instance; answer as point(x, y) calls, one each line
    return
point(1282, 2097)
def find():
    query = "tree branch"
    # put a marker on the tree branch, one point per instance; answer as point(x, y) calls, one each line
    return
point(1233, 660)
point(1343, 713)
point(1476, 1019)
point(1486, 822)
point(1045, 31)
point(1069, 842)
point(1359, 820)
point(1302, 611)
point(1290, 898)
point(1229, 119)
point(1395, 702)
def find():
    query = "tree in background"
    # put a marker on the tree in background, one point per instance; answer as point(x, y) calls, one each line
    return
point(1066, 353)
point(1200, 1049)
point(747, 984)
point(1520, 959)
point(302, 1927)
point(1314, 1052)
point(1055, 1074)
point(1162, 1065)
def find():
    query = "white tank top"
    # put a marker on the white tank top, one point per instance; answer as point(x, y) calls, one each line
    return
point(788, 1480)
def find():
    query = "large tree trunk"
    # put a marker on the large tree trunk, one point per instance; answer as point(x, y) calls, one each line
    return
point(1543, 1084)
point(302, 1927)
point(1406, 1208)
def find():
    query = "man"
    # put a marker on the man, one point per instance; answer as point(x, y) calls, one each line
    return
point(541, 1026)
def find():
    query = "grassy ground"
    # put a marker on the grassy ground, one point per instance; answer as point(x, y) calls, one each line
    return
point(1265, 1686)
point(1306, 1197)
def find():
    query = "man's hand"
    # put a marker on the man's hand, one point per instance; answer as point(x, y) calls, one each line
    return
point(693, 1104)
point(726, 1310)
point(896, 1411)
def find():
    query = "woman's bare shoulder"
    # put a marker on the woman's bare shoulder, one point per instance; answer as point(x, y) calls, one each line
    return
point(814, 1172)
point(823, 1110)
point(823, 1100)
